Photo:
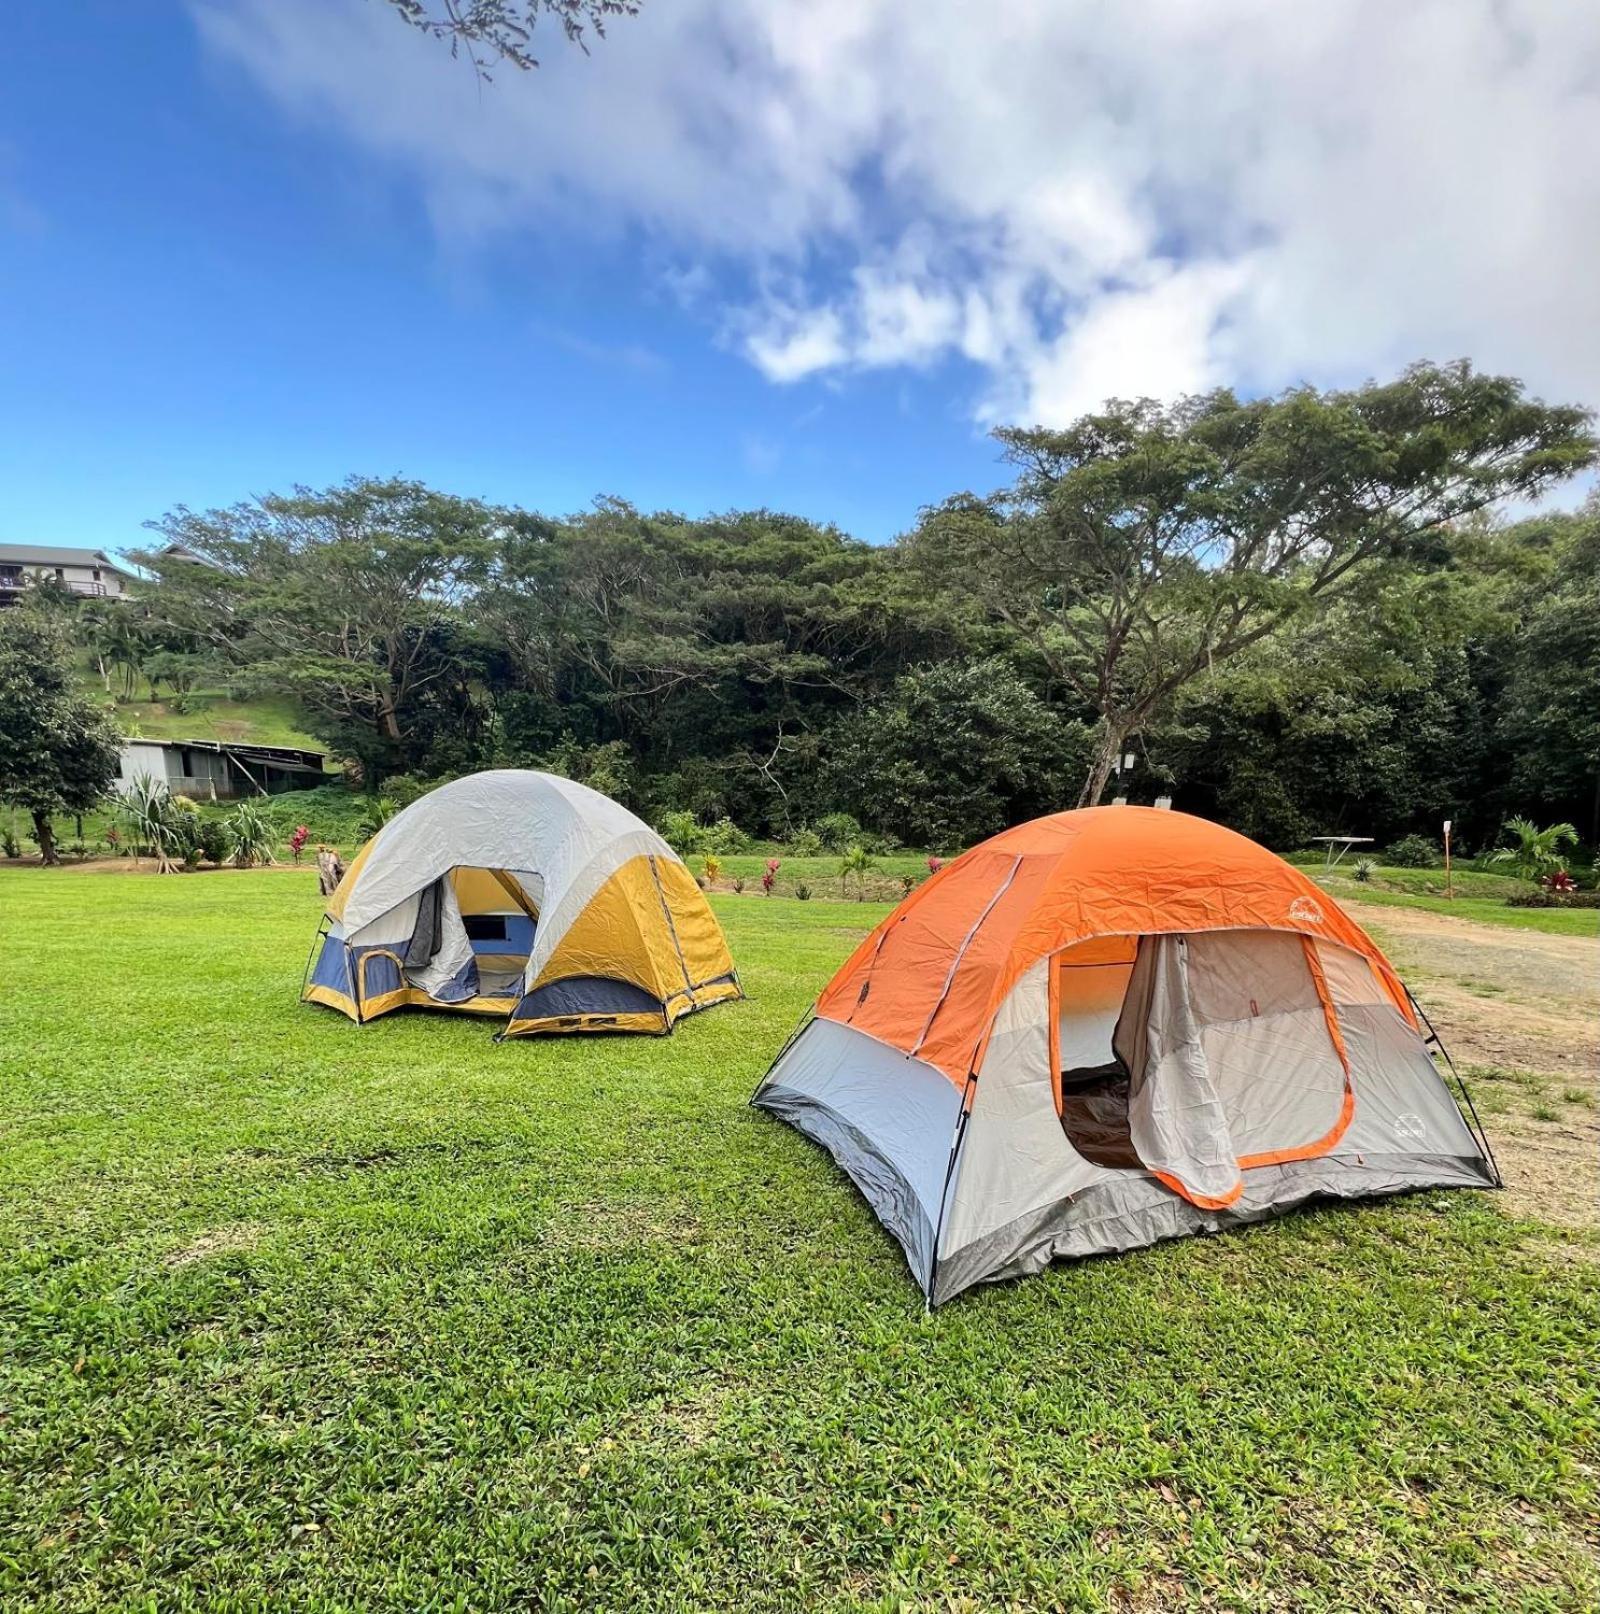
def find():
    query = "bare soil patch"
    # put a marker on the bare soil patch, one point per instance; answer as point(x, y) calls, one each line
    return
point(1520, 1013)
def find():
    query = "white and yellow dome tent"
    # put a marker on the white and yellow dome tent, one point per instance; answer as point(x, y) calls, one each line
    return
point(526, 896)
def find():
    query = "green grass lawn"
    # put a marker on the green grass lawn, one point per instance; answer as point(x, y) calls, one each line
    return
point(297, 1314)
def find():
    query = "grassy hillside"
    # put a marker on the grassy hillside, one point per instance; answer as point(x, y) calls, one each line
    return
point(207, 715)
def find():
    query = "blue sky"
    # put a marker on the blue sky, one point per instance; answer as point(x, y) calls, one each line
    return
point(750, 251)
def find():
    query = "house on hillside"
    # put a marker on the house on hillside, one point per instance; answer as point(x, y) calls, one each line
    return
point(84, 571)
point(219, 770)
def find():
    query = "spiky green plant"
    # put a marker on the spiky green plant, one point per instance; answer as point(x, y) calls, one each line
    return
point(250, 834)
point(156, 823)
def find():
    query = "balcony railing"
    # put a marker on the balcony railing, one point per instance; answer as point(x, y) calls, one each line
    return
point(14, 583)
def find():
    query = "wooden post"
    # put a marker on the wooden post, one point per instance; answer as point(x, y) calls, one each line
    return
point(1449, 884)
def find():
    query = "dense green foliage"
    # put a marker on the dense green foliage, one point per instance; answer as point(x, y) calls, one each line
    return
point(296, 1314)
point(1295, 613)
point(58, 749)
point(1141, 547)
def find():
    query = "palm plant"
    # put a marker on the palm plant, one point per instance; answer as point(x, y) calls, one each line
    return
point(856, 862)
point(250, 832)
point(156, 823)
point(1537, 852)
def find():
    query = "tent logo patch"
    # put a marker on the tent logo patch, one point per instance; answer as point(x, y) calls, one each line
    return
point(1305, 911)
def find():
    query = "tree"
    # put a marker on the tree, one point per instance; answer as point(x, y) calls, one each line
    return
point(953, 753)
point(1143, 545)
point(347, 599)
point(490, 31)
point(1549, 709)
point(714, 650)
point(59, 751)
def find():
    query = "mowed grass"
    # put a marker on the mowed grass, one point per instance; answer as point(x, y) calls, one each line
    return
point(296, 1314)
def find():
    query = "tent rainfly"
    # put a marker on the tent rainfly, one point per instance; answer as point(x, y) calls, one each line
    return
point(527, 897)
point(1109, 1027)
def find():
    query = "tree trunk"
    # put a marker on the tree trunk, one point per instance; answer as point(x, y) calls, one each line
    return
point(44, 833)
point(330, 871)
point(1112, 739)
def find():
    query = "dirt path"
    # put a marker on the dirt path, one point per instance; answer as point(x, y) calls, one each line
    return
point(1520, 1012)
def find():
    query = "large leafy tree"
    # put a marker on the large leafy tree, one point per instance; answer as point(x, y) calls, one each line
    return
point(348, 598)
point(714, 650)
point(58, 748)
point(953, 753)
point(1141, 546)
point(1549, 710)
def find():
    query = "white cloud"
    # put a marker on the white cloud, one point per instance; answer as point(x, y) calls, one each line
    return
point(788, 343)
point(1078, 199)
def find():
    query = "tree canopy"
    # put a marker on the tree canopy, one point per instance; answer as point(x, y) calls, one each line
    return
point(1141, 546)
point(1299, 613)
point(59, 749)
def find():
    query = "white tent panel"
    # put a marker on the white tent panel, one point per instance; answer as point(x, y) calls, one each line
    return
point(1015, 1158)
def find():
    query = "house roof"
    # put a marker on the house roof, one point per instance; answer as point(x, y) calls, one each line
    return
point(52, 555)
point(292, 757)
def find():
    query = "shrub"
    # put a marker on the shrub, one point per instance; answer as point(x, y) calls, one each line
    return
point(404, 788)
point(380, 809)
point(297, 841)
point(837, 832)
point(76, 849)
point(908, 884)
point(713, 867)
point(1363, 869)
point(250, 835)
point(805, 843)
point(802, 892)
point(9, 844)
point(935, 864)
point(738, 886)
point(682, 831)
point(1560, 882)
point(1412, 852)
point(723, 837)
point(213, 840)
point(1554, 899)
point(769, 877)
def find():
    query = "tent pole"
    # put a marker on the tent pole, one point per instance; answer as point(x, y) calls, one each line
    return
point(806, 1017)
point(1480, 1132)
point(944, 1192)
point(316, 944)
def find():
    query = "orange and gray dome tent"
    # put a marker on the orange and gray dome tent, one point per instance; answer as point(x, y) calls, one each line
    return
point(527, 897)
point(1109, 1027)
